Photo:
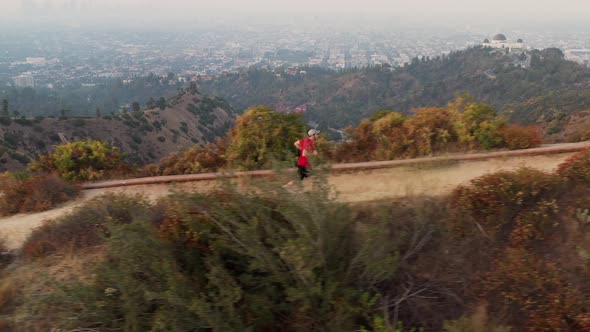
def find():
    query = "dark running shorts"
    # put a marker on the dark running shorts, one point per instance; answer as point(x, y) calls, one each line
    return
point(303, 172)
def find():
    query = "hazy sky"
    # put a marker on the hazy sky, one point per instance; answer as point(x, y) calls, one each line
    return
point(525, 10)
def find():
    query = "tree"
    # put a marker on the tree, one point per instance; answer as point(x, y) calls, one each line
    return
point(261, 135)
point(162, 103)
point(477, 123)
point(135, 107)
point(151, 103)
point(192, 88)
point(5, 108)
point(98, 113)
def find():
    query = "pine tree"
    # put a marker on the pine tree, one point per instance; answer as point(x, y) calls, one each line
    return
point(5, 108)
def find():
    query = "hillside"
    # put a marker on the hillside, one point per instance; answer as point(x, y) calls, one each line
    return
point(527, 87)
point(144, 137)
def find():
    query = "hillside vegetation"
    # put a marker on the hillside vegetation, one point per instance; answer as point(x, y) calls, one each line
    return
point(263, 139)
point(528, 88)
point(508, 251)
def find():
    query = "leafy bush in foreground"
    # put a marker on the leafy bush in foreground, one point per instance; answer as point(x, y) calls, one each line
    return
point(228, 261)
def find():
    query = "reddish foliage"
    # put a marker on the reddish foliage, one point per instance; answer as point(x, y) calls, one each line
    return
point(38, 193)
point(518, 137)
point(199, 159)
point(360, 147)
point(494, 200)
point(531, 287)
point(577, 168)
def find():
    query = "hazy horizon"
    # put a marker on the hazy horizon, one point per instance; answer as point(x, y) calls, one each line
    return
point(498, 12)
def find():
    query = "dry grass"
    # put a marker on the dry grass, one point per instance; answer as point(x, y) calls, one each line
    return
point(23, 287)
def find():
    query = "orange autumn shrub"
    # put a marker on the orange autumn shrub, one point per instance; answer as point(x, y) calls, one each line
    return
point(198, 159)
point(525, 285)
point(576, 169)
point(493, 201)
point(37, 193)
point(518, 137)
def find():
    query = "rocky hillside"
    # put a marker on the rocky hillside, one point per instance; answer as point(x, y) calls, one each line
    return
point(145, 136)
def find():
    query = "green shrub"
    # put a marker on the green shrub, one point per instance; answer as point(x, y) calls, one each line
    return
point(184, 127)
point(81, 160)
point(5, 121)
point(136, 139)
point(261, 135)
point(12, 139)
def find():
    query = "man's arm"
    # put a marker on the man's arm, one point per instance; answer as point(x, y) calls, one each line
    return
point(297, 145)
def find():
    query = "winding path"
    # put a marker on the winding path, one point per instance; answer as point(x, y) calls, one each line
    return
point(354, 182)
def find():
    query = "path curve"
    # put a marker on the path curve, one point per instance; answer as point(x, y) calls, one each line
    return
point(351, 182)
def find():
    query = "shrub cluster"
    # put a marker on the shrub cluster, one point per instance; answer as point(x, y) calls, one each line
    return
point(515, 215)
point(198, 159)
point(517, 137)
point(261, 136)
point(463, 124)
point(576, 170)
point(81, 161)
point(491, 202)
point(86, 226)
point(227, 261)
point(37, 193)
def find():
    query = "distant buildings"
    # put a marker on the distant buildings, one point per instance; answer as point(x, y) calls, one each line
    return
point(580, 55)
point(24, 81)
point(36, 61)
point(500, 41)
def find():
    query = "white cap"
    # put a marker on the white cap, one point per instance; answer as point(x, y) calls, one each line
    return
point(312, 132)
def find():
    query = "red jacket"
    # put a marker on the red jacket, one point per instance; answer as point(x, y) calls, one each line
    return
point(305, 144)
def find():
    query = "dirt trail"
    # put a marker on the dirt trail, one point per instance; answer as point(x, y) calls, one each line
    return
point(429, 178)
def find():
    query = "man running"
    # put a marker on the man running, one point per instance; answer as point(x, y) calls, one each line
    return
point(306, 147)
